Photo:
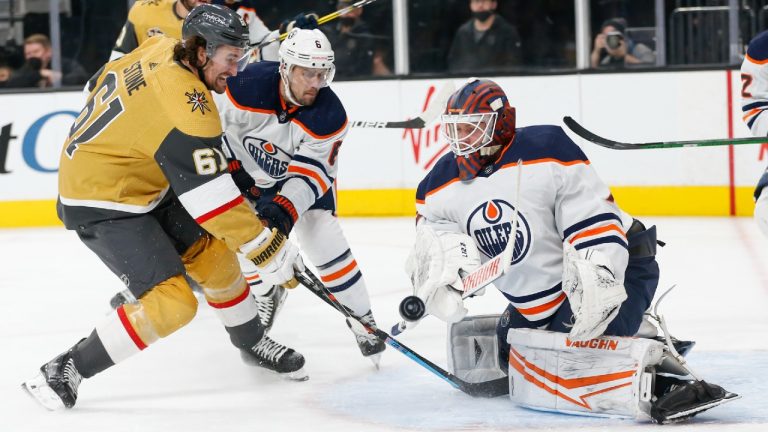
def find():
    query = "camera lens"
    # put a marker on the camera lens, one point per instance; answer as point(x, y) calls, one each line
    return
point(613, 40)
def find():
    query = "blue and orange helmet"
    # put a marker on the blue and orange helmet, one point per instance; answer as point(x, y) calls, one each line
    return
point(478, 115)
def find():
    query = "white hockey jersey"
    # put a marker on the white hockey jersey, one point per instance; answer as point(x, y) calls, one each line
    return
point(754, 81)
point(295, 149)
point(561, 199)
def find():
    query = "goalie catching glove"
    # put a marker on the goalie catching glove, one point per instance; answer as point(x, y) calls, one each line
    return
point(276, 257)
point(593, 291)
point(434, 267)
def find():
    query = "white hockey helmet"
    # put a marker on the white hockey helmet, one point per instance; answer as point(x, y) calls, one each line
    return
point(309, 49)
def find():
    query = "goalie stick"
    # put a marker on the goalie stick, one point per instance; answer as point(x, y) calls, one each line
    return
point(474, 281)
point(435, 107)
point(488, 389)
point(616, 145)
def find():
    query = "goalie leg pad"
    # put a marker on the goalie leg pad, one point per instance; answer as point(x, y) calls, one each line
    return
point(473, 351)
point(607, 377)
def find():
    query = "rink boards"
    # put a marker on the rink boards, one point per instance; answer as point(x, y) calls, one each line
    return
point(380, 168)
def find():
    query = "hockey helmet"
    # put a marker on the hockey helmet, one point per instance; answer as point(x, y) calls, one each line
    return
point(218, 25)
point(309, 49)
point(478, 115)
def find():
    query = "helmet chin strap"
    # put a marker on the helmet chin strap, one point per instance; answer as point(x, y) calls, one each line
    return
point(287, 85)
point(201, 74)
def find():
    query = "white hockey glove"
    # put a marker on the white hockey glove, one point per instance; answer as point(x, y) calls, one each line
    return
point(592, 289)
point(276, 257)
point(761, 211)
point(433, 266)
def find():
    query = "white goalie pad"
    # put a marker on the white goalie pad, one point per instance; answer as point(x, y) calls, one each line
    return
point(606, 377)
point(473, 351)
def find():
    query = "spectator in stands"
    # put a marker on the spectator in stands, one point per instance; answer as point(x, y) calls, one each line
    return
point(613, 49)
point(37, 71)
point(358, 52)
point(486, 42)
point(5, 74)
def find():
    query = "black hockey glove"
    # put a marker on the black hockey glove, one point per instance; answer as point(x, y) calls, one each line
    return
point(243, 180)
point(302, 21)
point(278, 213)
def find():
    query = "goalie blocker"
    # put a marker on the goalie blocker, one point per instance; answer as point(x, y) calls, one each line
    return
point(622, 377)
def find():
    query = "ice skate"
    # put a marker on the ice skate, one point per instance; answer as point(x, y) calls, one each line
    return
point(55, 386)
point(277, 358)
point(678, 400)
point(370, 345)
point(270, 304)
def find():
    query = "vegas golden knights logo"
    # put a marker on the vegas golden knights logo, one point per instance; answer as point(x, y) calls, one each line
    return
point(198, 101)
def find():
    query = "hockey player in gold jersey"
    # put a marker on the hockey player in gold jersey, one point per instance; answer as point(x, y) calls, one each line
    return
point(145, 186)
point(149, 18)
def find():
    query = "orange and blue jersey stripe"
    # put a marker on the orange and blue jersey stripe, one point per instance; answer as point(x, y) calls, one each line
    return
point(600, 229)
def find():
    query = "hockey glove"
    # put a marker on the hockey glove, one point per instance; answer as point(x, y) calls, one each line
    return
point(243, 180)
point(275, 256)
point(302, 21)
point(593, 291)
point(279, 213)
point(434, 264)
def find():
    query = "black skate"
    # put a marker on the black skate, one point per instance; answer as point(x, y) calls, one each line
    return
point(370, 345)
point(55, 387)
point(278, 358)
point(679, 400)
point(269, 305)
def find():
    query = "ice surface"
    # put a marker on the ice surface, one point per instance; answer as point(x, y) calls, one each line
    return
point(54, 290)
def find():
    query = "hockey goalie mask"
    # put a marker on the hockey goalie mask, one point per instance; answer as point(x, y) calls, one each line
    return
point(478, 122)
point(311, 52)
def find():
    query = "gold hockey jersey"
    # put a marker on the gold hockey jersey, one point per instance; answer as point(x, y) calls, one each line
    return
point(149, 18)
point(150, 127)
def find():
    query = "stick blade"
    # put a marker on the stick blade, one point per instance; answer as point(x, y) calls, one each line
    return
point(579, 130)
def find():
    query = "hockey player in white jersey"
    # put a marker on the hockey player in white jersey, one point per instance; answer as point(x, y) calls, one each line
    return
point(754, 100)
point(580, 266)
point(283, 127)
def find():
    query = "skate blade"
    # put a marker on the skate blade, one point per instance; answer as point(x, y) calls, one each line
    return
point(299, 375)
point(37, 388)
point(687, 414)
point(376, 360)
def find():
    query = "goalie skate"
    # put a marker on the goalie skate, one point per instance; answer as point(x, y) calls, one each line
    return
point(55, 386)
point(370, 345)
point(277, 358)
point(682, 400)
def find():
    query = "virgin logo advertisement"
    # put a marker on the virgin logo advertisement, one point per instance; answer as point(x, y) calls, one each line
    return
point(426, 144)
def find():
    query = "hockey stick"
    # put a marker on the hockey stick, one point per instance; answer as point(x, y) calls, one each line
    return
point(488, 389)
point(435, 107)
point(616, 145)
point(320, 21)
point(474, 281)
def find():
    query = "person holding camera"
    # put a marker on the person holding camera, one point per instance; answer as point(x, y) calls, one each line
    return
point(37, 71)
point(613, 49)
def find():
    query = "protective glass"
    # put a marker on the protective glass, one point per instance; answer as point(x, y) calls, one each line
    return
point(468, 133)
point(228, 56)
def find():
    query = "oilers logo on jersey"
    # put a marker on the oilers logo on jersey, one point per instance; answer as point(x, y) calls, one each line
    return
point(490, 225)
point(267, 156)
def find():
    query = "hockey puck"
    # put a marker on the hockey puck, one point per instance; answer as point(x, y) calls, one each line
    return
point(412, 308)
